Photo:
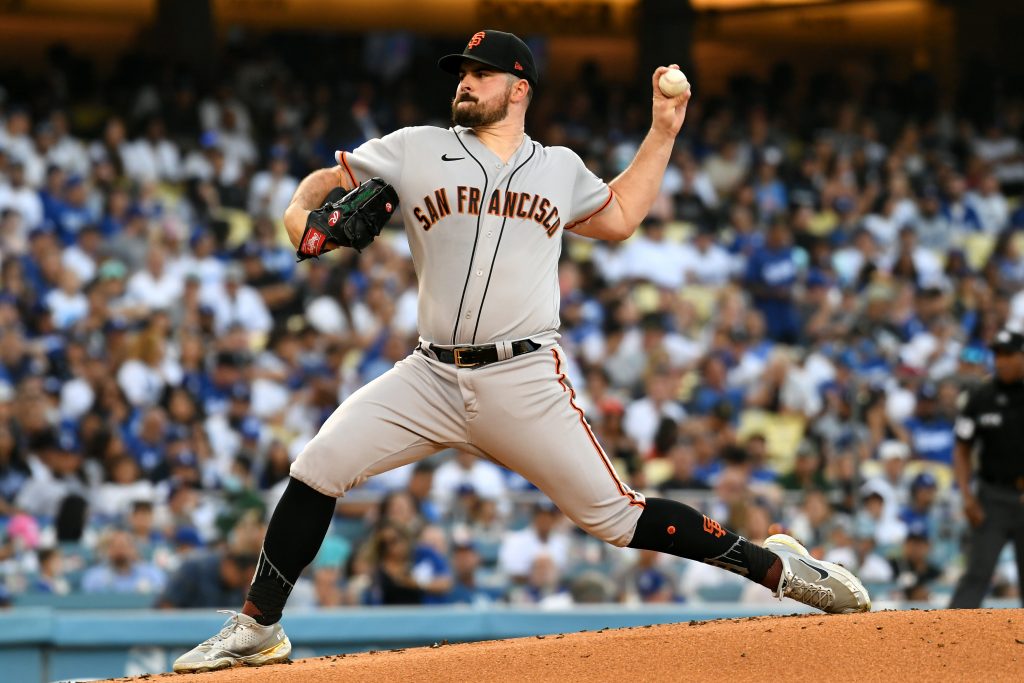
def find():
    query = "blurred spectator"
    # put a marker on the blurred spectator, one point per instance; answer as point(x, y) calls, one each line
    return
point(420, 488)
point(913, 570)
point(891, 483)
point(652, 257)
point(857, 553)
point(519, 549)
point(543, 585)
point(327, 573)
point(466, 471)
point(771, 273)
point(814, 523)
point(14, 470)
point(271, 190)
point(122, 571)
point(113, 498)
point(217, 579)
point(430, 567)
point(50, 578)
point(930, 433)
point(56, 472)
point(684, 464)
point(878, 519)
point(647, 582)
point(645, 414)
point(393, 581)
point(919, 513)
point(808, 473)
point(466, 588)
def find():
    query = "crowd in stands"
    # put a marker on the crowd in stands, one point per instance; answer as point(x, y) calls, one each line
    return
point(782, 344)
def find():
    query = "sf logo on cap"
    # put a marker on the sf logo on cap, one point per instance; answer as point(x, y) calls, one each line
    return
point(477, 38)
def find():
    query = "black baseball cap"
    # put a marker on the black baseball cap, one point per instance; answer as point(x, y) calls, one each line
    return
point(1008, 340)
point(503, 51)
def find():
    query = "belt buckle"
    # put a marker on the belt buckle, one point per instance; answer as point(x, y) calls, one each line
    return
point(458, 358)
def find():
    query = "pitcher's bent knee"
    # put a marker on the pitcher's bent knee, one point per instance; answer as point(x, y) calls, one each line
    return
point(322, 467)
point(616, 529)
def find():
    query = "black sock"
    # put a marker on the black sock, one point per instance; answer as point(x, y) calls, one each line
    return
point(296, 531)
point(671, 527)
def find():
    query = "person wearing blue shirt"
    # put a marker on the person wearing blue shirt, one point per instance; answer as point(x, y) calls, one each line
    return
point(71, 215)
point(920, 513)
point(713, 389)
point(123, 572)
point(466, 589)
point(430, 567)
point(930, 433)
point(771, 273)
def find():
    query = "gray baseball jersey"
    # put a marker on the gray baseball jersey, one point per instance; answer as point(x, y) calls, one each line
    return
point(485, 235)
point(485, 240)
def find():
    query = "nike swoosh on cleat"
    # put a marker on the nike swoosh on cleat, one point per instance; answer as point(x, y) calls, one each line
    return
point(445, 157)
point(822, 574)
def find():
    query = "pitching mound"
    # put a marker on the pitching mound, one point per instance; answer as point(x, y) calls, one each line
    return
point(976, 645)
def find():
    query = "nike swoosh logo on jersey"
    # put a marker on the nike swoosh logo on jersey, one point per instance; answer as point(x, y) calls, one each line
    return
point(822, 574)
point(445, 157)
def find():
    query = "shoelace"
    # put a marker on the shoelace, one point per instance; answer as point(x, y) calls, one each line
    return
point(229, 626)
point(809, 593)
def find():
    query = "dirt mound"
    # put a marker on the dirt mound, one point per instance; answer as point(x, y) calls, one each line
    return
point(977, 645)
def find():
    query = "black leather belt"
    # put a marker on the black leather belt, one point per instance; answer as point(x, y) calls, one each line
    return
point(476, 356)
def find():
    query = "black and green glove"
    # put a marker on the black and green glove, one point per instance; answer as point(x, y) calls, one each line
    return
point(352, 219)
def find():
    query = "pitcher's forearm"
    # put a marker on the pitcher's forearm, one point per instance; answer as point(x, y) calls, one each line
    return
point(637, 187)
point(310, 195)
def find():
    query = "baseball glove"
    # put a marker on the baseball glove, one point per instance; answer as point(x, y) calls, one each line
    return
point(348, 220)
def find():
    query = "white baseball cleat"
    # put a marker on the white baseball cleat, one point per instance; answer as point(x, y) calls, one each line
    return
point(241, 641)
point(824, 585)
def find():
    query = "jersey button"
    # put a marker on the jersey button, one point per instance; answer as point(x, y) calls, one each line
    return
point(479, 273)
point(490, 234)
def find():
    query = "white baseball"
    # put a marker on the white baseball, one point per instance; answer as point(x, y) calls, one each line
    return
point(673, 82)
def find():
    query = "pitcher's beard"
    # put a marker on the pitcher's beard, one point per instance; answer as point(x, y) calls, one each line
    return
point(479, 115)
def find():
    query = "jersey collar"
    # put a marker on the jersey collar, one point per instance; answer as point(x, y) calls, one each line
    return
point(484, 154)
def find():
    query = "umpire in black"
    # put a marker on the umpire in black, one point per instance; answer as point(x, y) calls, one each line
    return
point(991, 421)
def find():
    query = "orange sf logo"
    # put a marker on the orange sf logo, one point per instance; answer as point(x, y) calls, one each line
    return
point(477, 38)
point(713, 527)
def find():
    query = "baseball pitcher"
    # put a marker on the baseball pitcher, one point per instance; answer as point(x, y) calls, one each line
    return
point(484, 207)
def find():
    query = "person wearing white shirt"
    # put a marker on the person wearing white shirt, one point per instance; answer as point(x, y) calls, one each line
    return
point(82, 257)
point(643, 415)
point(707, 263)
point(19, 196)
point(67, 152)
point(991, 204)
point(67, 304)
point(653, 258)
point(235, 303)
point(271, 190)
point(156, 287)
point(467, 470)
point(685, 175)
point(519, 549)
point(154, 156)
point(54, 469)
point(148, 370)
point(16, 140)
point(201, 263)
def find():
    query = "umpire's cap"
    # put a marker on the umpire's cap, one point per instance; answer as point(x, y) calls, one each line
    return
point(503, 51)
point(1008, 340)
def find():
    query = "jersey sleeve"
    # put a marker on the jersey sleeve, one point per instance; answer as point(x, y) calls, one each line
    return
point(590, 194)
point(965, 428)
point(379, 157)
